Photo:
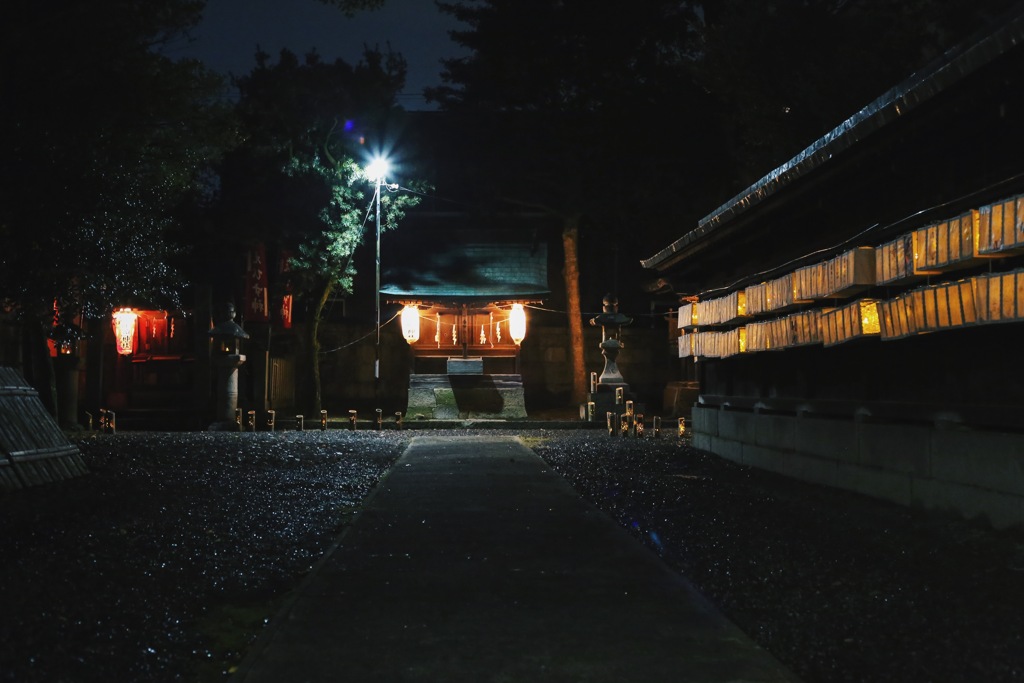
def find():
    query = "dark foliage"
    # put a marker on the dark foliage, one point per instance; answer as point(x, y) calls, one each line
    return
point(104, 139)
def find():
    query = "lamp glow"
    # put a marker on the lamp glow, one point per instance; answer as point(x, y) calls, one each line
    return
point(411, 324)
point(377, 169)
point(124, 321)
point(517, 324)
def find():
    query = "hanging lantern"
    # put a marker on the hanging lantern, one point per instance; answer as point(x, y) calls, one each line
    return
point(517, 323)
point(411, 324)
point(124, 321)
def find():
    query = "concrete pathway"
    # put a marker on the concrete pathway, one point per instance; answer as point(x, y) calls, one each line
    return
point(474, 561)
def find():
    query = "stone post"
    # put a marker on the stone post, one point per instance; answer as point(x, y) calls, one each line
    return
point(227, 358)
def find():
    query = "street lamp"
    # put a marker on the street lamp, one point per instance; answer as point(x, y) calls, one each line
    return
point(376, 171)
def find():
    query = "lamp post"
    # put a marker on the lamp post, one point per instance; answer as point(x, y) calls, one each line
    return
point(377, 169)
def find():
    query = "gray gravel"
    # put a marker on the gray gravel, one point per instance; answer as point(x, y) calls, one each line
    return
point(165, 562)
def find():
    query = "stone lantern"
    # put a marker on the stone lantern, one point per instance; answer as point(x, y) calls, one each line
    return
point(611, 322)
point(609, 391)
point(227, 358)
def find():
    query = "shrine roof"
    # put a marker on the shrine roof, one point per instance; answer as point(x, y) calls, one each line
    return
point(488, 272)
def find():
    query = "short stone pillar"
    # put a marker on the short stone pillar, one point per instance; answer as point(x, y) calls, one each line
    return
point(227, 358)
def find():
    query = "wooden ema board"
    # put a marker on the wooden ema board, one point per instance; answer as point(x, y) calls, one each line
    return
point(844, 275)
point(771, 296)
point(687, 344)
point(33, 449)
point(894, 261)
point(897, 317)
point(757, 299)
point(957, 243)
point(859, 319)
point(950, 304)
point(724, 309)
point(805, 328)
point(687, 317)
point(1001, 227)
point(720, 344)
point(780, 293)
point(759, 336)
point(1000, 297)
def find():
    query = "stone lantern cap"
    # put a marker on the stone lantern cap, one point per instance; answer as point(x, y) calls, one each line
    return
point(229, 334)
point(229, 329)
point(610, 316)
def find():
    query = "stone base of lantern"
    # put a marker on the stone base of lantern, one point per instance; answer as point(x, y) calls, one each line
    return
point(605, 402)
point(227, 392)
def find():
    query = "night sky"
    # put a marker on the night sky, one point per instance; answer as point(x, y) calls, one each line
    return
point(231, 29)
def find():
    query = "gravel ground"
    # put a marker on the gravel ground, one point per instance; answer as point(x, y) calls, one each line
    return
point(166, 561)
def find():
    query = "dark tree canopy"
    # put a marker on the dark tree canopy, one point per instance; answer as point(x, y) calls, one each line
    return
point(785, 73)
point(591, 109)
point(298, 182)
point(708, 95)
point(104, 139)
point(309, 126)
point(352, 7)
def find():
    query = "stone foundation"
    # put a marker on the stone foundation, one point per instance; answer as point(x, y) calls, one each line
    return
point(971, 473)
point(465, 396)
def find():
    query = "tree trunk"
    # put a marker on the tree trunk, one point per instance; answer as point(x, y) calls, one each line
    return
point(311, 398)
point(571, 273)
point(37, 364)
